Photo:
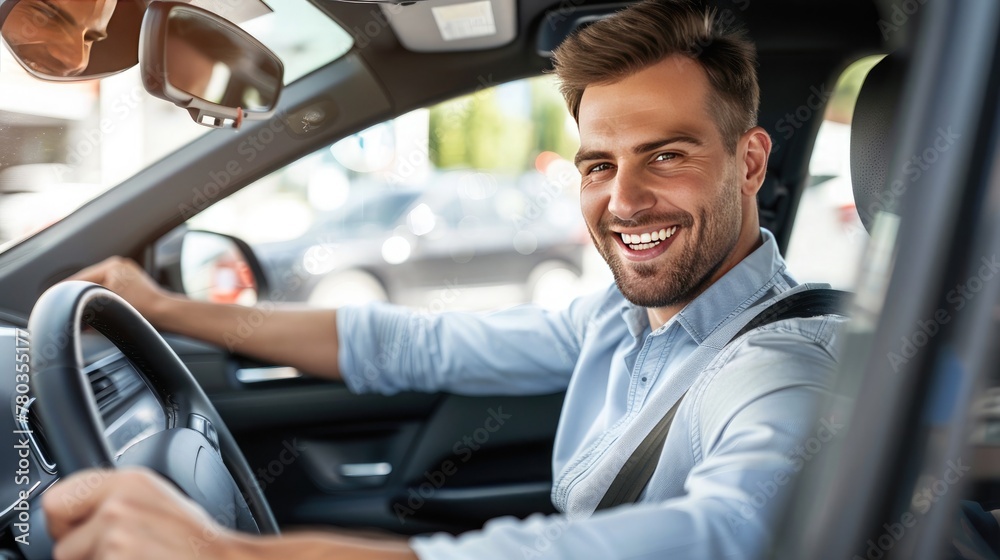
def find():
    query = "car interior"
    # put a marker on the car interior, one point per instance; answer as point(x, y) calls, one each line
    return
point(310, 451)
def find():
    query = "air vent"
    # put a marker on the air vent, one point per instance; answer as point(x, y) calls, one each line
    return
point(113, 380)
point(113, 383)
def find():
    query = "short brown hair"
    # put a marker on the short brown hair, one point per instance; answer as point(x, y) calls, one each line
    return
point(645, 33)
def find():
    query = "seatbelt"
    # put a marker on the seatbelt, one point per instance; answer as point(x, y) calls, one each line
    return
point(634, 475)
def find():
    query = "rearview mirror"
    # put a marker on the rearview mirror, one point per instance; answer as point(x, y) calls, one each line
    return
point(208, 65)
point(72, 40)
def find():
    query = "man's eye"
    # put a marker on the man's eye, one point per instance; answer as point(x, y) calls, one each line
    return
point(667, 156)
point(599, 167)
point(45, 12)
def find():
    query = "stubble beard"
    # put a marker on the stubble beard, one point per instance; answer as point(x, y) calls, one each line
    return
point(686, 269)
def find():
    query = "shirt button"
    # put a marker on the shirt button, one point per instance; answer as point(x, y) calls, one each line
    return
point(643, 379)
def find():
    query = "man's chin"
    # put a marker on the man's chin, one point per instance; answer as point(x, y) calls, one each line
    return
point(648, 290)
point(649, 299)
point(652, 286)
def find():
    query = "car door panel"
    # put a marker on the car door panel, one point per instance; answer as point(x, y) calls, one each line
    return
point(407, 463)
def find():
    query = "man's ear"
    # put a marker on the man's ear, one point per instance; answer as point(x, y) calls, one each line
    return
point(753, 148)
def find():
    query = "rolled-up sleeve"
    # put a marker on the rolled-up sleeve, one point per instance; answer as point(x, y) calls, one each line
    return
point(523, 350)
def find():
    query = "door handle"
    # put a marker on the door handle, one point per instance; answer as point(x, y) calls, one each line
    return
point(356, 470)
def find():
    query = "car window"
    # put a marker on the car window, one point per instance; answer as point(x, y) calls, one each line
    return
point(65, 143)
point(469, 204)
point(828, 237)
point(367, 213)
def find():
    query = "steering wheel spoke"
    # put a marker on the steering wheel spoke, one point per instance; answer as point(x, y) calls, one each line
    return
point(189, 460)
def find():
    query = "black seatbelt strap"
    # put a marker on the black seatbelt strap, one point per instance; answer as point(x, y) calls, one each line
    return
point(638, 469)
point(809, 303)
point(634, 475)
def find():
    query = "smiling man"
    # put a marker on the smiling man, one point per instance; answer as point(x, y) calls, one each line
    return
point(671, 161)
point(669, 189)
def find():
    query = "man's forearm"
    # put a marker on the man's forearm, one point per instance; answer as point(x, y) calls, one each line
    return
point(316, 546)
point(302, 338)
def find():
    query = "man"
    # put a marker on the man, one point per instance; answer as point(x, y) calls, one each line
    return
point(54, 37)
point(671, 162)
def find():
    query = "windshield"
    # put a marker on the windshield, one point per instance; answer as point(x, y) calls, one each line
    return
point(63, 144)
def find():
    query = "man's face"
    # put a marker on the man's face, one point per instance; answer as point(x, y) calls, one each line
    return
point(54, 37)
point(655, 170)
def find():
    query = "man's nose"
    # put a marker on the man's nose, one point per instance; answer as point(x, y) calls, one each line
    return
point(630, 195)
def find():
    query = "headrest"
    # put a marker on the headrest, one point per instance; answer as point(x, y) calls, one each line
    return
point(871, 137)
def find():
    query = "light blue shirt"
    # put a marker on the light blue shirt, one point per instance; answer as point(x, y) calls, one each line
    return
point(746, 425)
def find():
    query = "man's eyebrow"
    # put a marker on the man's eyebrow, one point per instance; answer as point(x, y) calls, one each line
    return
point(587, 155)
point(655, 144)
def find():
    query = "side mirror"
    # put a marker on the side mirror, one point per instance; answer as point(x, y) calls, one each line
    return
point(220, 269)
point(208, 65)
point(72, 41)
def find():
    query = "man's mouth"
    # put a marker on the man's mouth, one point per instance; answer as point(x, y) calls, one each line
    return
point(647, 240)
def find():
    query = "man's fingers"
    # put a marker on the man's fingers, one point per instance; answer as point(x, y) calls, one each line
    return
point(114, 273)
point(122, 514)
point(81, 542)
point(93, 274)
point(73, 499)
point(97, 273)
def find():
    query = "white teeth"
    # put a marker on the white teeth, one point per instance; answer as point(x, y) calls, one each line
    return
point(650, 239)
point(643, 246)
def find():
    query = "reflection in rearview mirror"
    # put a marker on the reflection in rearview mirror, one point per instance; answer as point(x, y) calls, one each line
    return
point(207, 65)
point(69, 40)
point(205, 60)
point(213, 268)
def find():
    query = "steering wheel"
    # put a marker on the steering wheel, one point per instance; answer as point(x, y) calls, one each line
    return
point(196, 451)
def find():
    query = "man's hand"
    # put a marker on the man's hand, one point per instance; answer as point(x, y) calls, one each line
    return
point(128, 514)
point(133, 513)
point(127, 279)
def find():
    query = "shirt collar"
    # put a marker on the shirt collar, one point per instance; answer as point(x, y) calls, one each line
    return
point(738, 289)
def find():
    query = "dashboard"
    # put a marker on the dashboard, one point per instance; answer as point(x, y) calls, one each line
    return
point(131, 411)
